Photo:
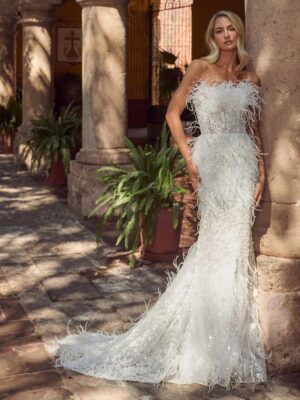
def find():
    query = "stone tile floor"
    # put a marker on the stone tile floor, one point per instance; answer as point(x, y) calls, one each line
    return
point(52, 275)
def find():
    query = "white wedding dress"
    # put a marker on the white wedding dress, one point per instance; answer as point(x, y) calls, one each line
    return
point(204, 328)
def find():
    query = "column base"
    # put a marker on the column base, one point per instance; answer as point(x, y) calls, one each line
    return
point(83, 185)
point(279, 304)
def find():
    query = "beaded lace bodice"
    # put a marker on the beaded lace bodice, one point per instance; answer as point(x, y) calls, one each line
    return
point(226, 106)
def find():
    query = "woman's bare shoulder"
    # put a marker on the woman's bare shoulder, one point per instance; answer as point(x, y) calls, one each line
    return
point(197, 68)
point(253, 77)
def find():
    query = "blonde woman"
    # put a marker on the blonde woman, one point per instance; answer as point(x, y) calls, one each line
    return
point(204, 328)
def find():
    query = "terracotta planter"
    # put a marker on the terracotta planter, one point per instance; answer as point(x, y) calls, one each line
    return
point(165, 244)
point(7, 144)
point(57, 174)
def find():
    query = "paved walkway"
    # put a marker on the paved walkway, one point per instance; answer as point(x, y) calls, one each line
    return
point(52, 275)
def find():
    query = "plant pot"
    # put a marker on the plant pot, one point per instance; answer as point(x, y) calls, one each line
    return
point(165, 244)
point(57, 174)
point(7, 145)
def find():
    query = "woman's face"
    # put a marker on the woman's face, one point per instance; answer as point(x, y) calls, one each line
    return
point(225, 34)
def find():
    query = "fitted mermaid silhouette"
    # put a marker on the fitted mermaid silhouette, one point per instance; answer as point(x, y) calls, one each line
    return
point(204, 328)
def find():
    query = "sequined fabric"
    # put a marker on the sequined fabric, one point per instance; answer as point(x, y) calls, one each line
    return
point(204, 328)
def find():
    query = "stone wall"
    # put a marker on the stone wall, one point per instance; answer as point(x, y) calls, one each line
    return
point(273, 32)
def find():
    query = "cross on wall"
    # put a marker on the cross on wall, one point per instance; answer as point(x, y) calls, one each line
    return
point(72, 37)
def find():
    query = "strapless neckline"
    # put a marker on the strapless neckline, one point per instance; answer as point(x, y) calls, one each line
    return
point(224, 106)
point(224, 82)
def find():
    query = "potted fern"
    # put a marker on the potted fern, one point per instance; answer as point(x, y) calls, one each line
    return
point(53, 142)
point(143, 199)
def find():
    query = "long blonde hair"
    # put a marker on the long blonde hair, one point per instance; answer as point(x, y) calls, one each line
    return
point(242, 54)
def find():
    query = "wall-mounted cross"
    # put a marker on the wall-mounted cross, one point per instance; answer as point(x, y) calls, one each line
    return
point(73, 38)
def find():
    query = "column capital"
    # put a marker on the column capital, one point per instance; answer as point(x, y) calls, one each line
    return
point(36, 12)
point(105, 3)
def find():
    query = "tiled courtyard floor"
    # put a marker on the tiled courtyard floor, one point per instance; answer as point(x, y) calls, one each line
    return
point(52, 275)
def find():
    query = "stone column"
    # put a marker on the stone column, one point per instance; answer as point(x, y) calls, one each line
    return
point(7, 28)
point(273, 31)
point(104, 53)
point(37, 59)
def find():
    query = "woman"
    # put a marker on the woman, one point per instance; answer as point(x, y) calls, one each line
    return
point(226, 61)
point(204, 328)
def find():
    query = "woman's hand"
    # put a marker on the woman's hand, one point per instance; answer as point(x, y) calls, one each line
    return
point(194, 176)
point(257, 195)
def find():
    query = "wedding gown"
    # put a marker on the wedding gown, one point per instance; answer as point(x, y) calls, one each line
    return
point(204, 328)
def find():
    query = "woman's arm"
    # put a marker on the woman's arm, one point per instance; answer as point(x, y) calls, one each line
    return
point(175, 109)
point(261, 165)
